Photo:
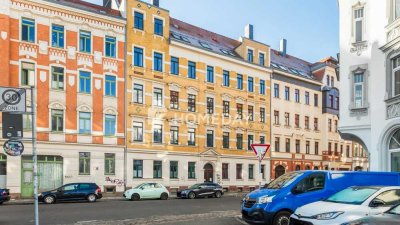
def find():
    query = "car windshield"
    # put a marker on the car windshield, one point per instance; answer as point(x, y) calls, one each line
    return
point(195, 186)
point(352, 195)
point(284, 180)
point(395, 210)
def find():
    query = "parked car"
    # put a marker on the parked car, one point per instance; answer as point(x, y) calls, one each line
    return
point(147, 191)
point(72, 192)
point(4, 195)
point(275, 204)
point(201, 190)
point(347, 205)
point(391, 217)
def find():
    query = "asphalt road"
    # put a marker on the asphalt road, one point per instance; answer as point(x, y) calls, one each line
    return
point(210, 211)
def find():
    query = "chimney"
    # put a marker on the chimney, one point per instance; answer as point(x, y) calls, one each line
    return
point(283, 47)
point(156, 3)
point(249, 31)
point(107, 3)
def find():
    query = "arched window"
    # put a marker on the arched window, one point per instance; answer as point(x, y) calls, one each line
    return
point(279, 171)
point(297, 167)
point(308, 167)
point(316, 168)
point(394, 148)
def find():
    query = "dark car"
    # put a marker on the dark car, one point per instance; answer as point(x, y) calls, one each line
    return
point(391, 217)
point(72, 192)
point(4, 195)
point(201, 190)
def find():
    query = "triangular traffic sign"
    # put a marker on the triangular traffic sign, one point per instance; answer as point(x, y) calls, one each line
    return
point(260, 150)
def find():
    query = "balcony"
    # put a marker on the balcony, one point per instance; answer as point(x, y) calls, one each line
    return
point(331, 156)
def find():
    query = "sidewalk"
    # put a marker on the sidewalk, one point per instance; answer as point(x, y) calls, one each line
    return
point(114, 198)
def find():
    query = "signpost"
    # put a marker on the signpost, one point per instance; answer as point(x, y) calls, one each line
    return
point(260, 150)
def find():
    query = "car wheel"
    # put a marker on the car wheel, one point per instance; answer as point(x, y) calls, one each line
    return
point(164, 196)
point(91, 198)
point(135, 197)
point(49, 199)
point(218, 194)
point(191, 195)
point(282, 218)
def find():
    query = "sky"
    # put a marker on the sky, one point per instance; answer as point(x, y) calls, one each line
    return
point(311, 27)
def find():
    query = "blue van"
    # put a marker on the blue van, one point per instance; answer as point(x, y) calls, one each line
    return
point(279, 199)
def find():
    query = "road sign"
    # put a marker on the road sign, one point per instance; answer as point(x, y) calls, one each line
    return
point(13, 148)
point(260, 150)
point(12, 99)
point(12, 126)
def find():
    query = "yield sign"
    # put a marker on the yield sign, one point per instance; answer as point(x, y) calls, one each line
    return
point(260, 150)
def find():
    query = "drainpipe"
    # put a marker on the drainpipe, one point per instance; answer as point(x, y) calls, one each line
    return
point(125, 106)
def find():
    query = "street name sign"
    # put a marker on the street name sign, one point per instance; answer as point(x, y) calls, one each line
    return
point(12, 99)
point(260, 150)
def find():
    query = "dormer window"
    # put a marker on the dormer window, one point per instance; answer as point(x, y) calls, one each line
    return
point(250, 55)
point(359, 24)
point(327, 80)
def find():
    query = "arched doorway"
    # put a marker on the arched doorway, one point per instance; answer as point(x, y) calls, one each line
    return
point(208, 173)
point(297, 167)
point(279, 171)
point(394, 151)
point(308, 167)
point(358, 168)
point(316, 168)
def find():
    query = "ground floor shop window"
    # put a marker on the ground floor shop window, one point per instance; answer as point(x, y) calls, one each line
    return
point(84, 163)
point(137, 168)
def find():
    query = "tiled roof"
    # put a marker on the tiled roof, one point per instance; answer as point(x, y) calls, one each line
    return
point(83, 5)
point(291, 64)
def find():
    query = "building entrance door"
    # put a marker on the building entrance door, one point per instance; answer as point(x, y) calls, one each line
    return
point(208, 173)
point(26, 178)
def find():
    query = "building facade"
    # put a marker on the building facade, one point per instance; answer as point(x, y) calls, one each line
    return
point(196, 101)
point(72, 54)
point(370, 88)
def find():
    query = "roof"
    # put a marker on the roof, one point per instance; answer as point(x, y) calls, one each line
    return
point(291, 64)
point(87, 6)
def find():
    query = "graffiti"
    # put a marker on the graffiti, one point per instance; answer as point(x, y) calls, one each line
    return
point(118, 182)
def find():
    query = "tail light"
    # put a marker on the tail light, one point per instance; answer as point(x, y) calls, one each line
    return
point(98, 190)
point(4, 193)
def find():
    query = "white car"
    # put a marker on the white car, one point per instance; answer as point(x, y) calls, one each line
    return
point(347, 205)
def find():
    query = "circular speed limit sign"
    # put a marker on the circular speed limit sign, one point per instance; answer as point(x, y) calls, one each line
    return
point(11, 97)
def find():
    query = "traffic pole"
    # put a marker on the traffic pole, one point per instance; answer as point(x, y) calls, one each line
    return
point(259, 169)
point(34, 152)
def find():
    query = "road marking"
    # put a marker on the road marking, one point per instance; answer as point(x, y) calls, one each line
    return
point(240, 220)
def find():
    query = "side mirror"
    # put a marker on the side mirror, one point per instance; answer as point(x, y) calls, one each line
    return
point(376, 203)
point(59, 189)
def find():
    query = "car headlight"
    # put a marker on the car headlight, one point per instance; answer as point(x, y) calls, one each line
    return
point(265, 199)
point(327, 216)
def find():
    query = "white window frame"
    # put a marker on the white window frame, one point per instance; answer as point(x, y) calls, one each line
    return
point(394, 70)
point(355, 20)
point(362, 90)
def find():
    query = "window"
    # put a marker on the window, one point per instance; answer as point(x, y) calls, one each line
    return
point(250, 112)
point(27, 73)
point(251, 171)
point(84, 82)
point(110, 46)
point(287, 94)
point(57, 78)
point(84, 163)
point(158, 27)
point(358, 90)
point(297, 146)
point(332, 81)
point(57, 120)
point(109, 125)
point(276, 90)
point(250, 55)
point(331, 101)
point(262, 140)
point(389, 198)
point(297, 95)
point(330, 148)
point(138, 93)
point(210, 74)
point(396, 75)
point(276, 117)
point(315, 123)
point(174, 100)
point(327, 80)
point(210, 138)
point(138, 20)
point(307, 147)
point(307, 97)
point(225, 140)
point(157, 97)
point(287, 145)
point(239, 141)
point(341, 150)
point(110, 86)
point(307, 122)
point(192, 103)
point(336, 148)
point(225, 171)
point(250, 84)
point(330, 125)
point(316, 148)
point(137, 132)
point(262, 87)
point(192, 70)
point(250, 141)
point(109, 164)
point(396, 9)
point(157, 169)
point(277, 144)
point(239, 171)
point(173, 169)
point(287, 119)
point(225, 78)
point(315, 100)
point(347, 151)
point(210, 105)
point(225, 109)
point(85, 41)
point(28, 30)
point(240, 82)
point(192, 136)
point(358, 24)
point(84, 123)
point(138, 57)
point(337, 103)
point(137, 168)
point(297, 120)
point(158, 62)
point(239, 109)
point(261, 57)
point(191, 170)
point(313, 182)
point(262, 115)
point(336, 126)
point(57, 36)
point(174, 135)
point(27, 122)
point(157, 133)
point(175, 65)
